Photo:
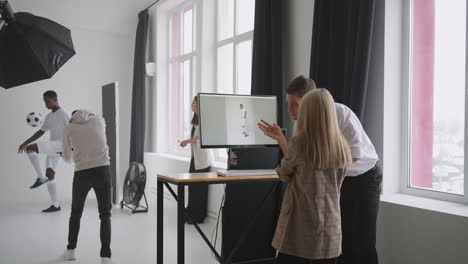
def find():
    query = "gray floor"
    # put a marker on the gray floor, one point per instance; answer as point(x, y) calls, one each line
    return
point(29, 237)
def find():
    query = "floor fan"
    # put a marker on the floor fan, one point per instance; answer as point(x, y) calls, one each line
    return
point(134, 188)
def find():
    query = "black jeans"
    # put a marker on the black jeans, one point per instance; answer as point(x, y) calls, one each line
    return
point(99, 179)
point(360, 198)
point(197, 197)
point(288, 259)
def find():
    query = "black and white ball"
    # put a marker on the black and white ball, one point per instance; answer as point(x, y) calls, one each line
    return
point(34, 119)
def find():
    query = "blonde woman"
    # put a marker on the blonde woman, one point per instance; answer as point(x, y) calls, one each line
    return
point(309, 226)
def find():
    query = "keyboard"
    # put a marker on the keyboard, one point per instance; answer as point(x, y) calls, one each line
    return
point(231, 173)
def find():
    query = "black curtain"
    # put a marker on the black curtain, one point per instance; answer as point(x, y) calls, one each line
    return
point(341, 49)
point(137, 138)
point(244, 199)
point(267, 63)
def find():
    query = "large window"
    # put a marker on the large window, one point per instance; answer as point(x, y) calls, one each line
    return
point(208, 50)
point(234, 46)
point(234, 49)
point(436, 78)
point(181, 67)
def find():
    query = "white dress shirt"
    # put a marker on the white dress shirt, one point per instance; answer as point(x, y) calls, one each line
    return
point(359, 143)
point(201, 157)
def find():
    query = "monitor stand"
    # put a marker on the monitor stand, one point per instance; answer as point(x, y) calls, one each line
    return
point(254, 158)
point(242, 201)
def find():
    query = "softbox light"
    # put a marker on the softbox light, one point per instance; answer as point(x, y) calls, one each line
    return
point(32, 48)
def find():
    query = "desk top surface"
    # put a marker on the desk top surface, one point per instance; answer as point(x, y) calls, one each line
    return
point(212, 177)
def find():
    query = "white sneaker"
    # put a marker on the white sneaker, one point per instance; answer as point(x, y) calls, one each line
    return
point(107, 261)
point(69, 254)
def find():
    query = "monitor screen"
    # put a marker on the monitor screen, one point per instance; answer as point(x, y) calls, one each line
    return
point(231, 120)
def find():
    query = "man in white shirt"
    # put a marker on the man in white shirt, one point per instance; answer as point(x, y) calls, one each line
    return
point(55, 121)
point(360, 192)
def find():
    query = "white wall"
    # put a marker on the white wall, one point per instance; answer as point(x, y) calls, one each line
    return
point(408, 235)
point(297, 39)
point(103, 35)
point(373, 118)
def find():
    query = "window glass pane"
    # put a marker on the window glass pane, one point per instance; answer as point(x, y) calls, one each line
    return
point(438, 95)
point(225, 19)
point(188, 29)
point(244, 67)
point(245, 15)
point(174, 105)
point(187, 93)
point(225, 69)
point(175, 34)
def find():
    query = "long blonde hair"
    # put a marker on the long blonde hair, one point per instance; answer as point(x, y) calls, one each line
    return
point(318, 132)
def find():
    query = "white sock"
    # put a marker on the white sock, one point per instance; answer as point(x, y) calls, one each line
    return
point(34, 158)
point(52, 188)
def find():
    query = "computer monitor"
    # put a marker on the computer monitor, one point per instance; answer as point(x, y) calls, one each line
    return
point(228, 120)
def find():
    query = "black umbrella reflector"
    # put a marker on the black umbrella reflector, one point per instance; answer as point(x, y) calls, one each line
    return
point(134, 184)
point(32, 48)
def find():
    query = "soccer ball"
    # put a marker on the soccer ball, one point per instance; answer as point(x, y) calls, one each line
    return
point(34, 119)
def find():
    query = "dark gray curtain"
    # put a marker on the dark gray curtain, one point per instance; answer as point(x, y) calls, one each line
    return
point(341, 49)
point(238, 211)
point(267, 65)
point(137, 138)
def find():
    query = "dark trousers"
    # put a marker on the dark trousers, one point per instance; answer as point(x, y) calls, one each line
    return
point(99, 179)
point(360, 198)
point(288, 259)
point(197, 197)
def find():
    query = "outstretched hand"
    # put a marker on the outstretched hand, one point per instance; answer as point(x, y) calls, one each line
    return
point(271, 130)
point(22, 148)
point(184, 143)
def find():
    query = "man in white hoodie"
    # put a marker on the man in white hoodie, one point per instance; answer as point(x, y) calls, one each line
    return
point(84, 142)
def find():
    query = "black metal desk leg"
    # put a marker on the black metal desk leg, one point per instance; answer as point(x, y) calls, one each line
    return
point(180, 224)
point(160, 223)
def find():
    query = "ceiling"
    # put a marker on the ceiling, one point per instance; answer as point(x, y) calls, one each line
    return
point(112, 16)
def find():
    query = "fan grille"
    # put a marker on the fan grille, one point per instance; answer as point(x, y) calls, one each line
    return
point(134, 184)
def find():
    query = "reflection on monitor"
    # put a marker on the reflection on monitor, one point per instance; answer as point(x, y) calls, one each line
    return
point(231, 120)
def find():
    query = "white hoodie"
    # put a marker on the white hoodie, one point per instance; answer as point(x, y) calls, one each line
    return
point(84, 141)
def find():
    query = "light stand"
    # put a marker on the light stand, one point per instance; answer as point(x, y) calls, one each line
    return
point(6, 12)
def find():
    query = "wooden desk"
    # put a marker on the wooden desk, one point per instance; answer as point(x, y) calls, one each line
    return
point(181, 180)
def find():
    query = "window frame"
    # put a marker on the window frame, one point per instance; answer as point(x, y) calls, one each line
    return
point(236, 39)
point(406, 118)
point(180, 59)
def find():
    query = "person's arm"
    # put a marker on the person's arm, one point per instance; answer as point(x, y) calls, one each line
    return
point(67, 154)
point(184, 143)
point(352, 130)
point(33, 138)
point(273, 131)
point(287, 167)
point(283, 143)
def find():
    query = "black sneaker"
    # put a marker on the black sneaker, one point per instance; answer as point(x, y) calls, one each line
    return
point(51, 209)
point(38, 183)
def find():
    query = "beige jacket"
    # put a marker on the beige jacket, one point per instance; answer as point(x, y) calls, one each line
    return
point(309, 225)
point(84, 141)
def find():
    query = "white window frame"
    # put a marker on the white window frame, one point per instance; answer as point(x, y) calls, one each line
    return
point(236, 39)
point(204, 67)
point(181, 58)
point(406, 117)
